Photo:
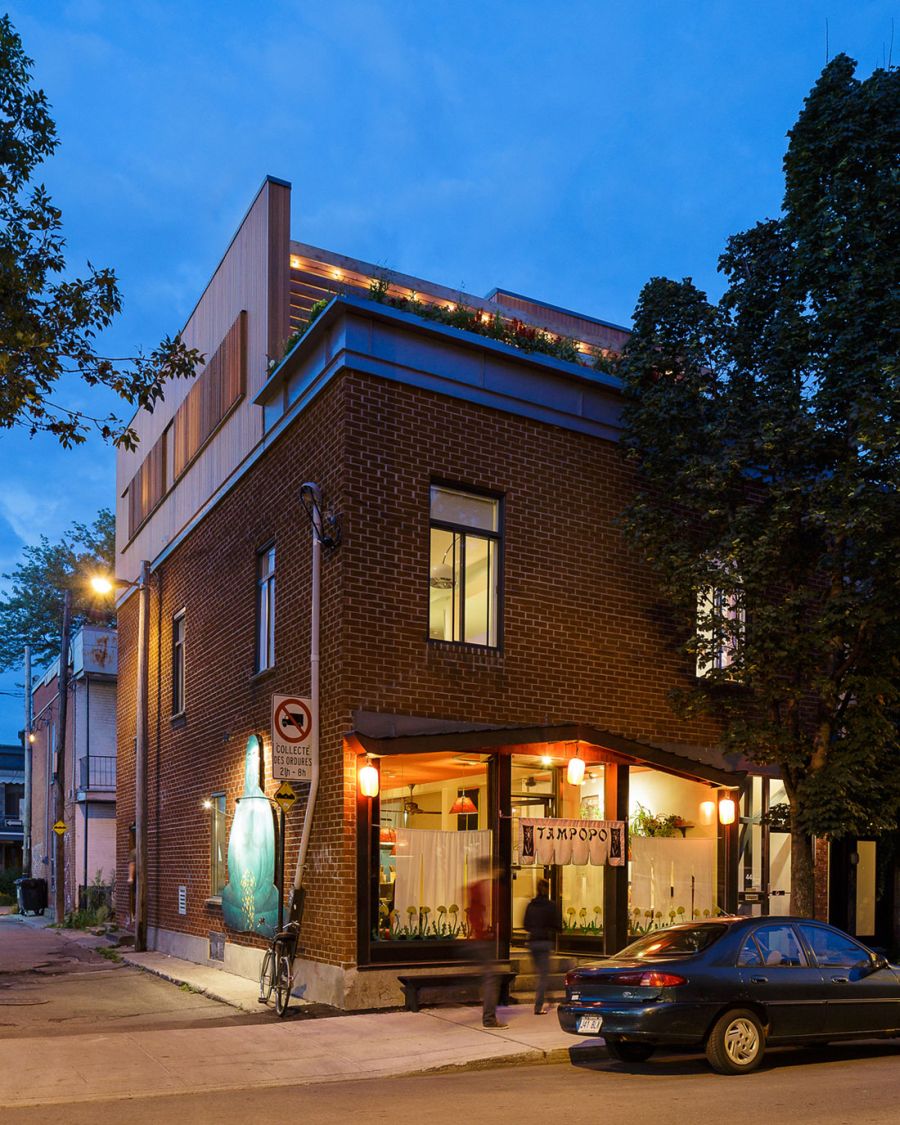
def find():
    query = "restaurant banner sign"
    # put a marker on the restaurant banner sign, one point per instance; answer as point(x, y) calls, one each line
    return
point(546, 840)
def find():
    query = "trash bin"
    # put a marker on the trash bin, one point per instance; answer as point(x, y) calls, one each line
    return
point(31, 895)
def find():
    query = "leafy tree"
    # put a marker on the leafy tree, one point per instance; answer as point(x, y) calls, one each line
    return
point(765, 434)
point(49, 321)
point(32, 612)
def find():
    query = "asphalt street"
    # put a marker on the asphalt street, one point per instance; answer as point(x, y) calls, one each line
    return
point(855, 1085)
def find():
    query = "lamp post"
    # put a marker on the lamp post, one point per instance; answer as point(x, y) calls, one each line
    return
point(105, 586)
point(59, 785)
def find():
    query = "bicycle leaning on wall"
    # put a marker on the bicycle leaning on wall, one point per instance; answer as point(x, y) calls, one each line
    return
point(276, 973)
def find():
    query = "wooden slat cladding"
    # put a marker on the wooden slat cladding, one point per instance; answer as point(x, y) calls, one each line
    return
point(216, 391)
point(148, 486)
point(218, 388)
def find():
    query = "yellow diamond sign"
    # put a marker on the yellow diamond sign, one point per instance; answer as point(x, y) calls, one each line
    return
point(285, 796)
point(60, 828)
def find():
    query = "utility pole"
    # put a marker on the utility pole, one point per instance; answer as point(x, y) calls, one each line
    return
point(60, 782)
point(140, 762)
point(26, 815)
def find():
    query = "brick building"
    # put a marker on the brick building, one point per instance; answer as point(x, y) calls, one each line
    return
point(89, 843)
point(483, 623)
point(12, 800)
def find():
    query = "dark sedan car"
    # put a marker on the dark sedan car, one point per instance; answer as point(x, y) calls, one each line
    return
point(732, 986)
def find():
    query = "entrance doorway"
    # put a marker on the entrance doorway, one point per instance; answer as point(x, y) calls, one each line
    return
point(533, 793)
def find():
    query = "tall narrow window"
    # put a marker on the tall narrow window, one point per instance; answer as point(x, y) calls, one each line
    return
point(178, 630)
point(265, 609)
point(465, 567)
point(218, 845)
point(720, 628)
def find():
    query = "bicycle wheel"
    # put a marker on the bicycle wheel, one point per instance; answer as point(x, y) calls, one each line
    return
point(284, 980)
point(266, 975)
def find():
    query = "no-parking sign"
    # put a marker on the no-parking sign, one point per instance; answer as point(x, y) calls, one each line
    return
point(293, 725)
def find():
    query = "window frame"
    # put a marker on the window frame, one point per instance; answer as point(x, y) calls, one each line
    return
point(465, 531)
point(265, 601)
point(179, 662)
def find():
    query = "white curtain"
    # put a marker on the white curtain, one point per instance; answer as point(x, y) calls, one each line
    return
point(661, 872)
point(435, 868)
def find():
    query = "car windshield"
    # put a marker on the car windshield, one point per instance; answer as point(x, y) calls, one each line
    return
point(679, 942)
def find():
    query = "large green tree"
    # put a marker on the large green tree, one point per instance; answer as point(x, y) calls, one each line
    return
point(765, 433)
point(32, 611)
point(49, 320)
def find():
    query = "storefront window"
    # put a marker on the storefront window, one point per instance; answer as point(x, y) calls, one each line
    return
point(429, 857)
point(582, 884)
point(673, 861)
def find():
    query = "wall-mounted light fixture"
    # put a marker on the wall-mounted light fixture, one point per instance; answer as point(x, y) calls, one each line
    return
point(727, 810)
point(368, 779)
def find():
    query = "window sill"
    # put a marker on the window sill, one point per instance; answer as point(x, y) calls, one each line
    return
point(464, 648)
point(262, 673)
point(179, 720)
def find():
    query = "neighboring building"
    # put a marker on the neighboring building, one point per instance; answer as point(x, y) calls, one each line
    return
point(483, 622)
point(90, 767)
point(12, 801)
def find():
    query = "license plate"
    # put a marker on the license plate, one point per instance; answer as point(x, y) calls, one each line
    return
point(589, 1025)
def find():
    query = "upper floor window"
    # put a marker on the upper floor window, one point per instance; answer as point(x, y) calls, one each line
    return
point(178, 632)
point(720, 628)
point(265, 609)
point(464, 575)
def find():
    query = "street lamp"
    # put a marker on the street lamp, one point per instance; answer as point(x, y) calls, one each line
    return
point(105, 585)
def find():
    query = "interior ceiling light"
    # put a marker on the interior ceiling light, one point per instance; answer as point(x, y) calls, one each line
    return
point(463, 806)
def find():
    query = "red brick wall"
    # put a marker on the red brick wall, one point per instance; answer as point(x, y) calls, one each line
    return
point(583, 641)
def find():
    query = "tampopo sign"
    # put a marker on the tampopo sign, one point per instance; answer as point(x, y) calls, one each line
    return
point(549, 840)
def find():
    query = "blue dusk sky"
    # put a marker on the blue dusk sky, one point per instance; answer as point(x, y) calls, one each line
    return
point(565, 150)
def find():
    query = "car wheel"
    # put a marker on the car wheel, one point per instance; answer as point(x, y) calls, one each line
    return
point(629, 1052)
point(736, 1043)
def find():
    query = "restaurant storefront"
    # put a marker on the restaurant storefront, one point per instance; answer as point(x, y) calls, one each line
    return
point(630, 837)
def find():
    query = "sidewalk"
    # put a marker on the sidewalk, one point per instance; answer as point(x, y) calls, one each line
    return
point(88, 1067)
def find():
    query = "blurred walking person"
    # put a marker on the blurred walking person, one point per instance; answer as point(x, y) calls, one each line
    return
point(543, 921)
point(481, 946)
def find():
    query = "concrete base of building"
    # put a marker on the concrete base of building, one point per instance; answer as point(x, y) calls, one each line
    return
point(318, 983)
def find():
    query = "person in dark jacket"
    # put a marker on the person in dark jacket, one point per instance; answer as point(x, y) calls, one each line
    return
point(543, 922)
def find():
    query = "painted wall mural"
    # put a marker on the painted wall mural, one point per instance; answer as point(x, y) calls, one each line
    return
point(250, 898)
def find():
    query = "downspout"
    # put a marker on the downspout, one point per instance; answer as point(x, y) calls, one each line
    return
point(311, 498)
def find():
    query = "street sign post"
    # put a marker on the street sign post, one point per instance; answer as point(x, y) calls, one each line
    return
point(293, 725)
point(285, 798)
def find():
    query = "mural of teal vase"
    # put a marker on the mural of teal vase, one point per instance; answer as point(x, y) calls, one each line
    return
point(250, 899)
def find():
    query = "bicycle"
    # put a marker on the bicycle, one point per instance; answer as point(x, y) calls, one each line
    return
point(276, 973)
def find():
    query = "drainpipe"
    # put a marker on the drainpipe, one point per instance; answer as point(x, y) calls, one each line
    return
point(311, 499)
point(140, 761)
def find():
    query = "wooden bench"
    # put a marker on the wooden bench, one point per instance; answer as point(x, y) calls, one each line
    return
point(451, 988)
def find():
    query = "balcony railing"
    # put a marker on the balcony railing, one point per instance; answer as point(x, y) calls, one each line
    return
point(97, 772)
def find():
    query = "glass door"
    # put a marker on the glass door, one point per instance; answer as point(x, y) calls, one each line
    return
point(533, 794)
